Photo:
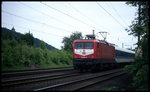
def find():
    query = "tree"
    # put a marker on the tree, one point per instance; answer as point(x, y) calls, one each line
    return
point(28, 38)
point(6, 34)
point(139, 26)
point(140, 29)
point(13, 29)
point(42, 45)
point(68, 41)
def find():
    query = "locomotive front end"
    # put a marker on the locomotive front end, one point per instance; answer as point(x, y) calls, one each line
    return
point(83, 54)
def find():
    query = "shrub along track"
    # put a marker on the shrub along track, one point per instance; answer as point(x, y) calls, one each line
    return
point(58, 80)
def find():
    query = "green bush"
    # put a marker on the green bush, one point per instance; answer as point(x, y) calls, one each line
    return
point(15, 53)
point(140, 71)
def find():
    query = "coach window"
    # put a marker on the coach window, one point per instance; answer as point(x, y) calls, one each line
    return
point(116, 53)
point(119, 53)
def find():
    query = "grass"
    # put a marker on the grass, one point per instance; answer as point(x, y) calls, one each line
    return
point(23, 67)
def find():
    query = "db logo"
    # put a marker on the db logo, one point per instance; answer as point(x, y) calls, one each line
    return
point(83, 52)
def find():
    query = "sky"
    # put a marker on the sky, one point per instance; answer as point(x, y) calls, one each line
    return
point(52, 21)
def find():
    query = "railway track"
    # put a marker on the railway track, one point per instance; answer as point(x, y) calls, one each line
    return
point(7, 74)
point(83, 83)
point(15, 78)
point(64, 80)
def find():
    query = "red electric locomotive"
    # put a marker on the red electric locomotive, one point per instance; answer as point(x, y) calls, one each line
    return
point(89, 54)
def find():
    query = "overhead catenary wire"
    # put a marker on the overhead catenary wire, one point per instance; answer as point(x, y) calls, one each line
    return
point(36, 30)
point(118, 14)
point(35, 21)
point(110, 15)
point(79, 11)
point(51, 17)
point(67, 15)
point(82, 14)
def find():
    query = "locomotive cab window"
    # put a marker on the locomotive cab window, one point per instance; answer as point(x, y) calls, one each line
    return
point(84, 45)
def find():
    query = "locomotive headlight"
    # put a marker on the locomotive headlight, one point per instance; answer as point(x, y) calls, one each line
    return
point(92, 56)
point(75, 57)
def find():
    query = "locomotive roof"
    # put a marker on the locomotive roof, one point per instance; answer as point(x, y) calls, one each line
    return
point(124, 50)
point(91, 40)
point(96, 40)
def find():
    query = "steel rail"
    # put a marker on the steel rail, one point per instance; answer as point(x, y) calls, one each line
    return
point(27, 72)
point(36, 79)
point(9, 71)
point(102, 80)
point(75, 81)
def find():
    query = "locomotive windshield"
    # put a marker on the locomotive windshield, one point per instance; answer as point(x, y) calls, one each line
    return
point(84, 45)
